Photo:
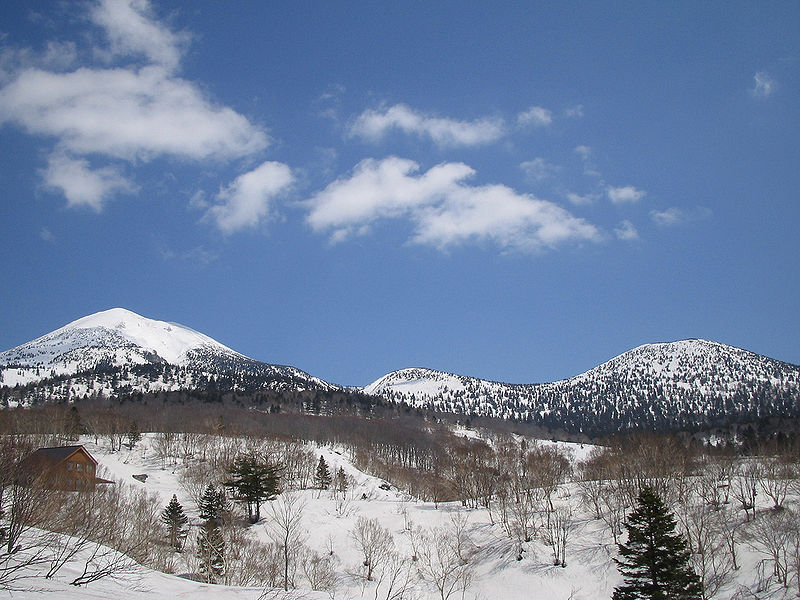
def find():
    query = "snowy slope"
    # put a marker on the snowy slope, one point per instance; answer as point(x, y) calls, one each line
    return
point(118, 339)
point(687, 383)
point(590, 573)
point(118, 336)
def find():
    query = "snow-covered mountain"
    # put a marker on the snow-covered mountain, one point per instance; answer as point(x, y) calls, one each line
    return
point(684, 384)
point(118, 349)
point(688, 383)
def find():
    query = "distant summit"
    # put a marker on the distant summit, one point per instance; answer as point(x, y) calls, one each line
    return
point(676, 385)
point(118, 349)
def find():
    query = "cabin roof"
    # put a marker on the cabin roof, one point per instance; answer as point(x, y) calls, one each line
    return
point(59, 454)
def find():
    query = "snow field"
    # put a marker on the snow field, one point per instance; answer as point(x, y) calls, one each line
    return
point(590, 573)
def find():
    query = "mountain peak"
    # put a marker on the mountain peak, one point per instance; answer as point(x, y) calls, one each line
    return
point(115, 336)
point(119, 339)
point(170, 341)
point(682, 384)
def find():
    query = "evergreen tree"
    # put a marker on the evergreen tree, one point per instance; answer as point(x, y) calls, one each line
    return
point(655, 560)
point(254, 481)
point(322, 479)
point(212, 504)
point(175, 520)
point(134, 435)
point(74, 427)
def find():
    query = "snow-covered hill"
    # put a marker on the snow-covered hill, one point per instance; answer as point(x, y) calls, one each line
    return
point(500, 567)
point(688, 383)
point(133, 348)
point(684, 384)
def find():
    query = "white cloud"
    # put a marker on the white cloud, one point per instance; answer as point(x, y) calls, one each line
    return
point(665, 218)
point(46, 235)
point(373, 125)
point(443, 209)
point(130, 113)
point(626, 231)
point(538, 169)
point(677, 216)
point(763, 85)
point(246, 201)
point(57, 56)
point(127, 114)
point(624, 194)
point(585, 152)
point(81, 185)
point(574, 112)
point(536, 116)
point(199, 256)
point(579, 200)
point(131, 28)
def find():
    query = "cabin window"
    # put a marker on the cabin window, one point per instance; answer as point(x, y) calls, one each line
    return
point(78, 467)
point(90, 469)
point(70, 466)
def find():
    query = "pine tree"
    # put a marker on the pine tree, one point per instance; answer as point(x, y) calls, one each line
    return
point(655, 560)
point(175, 520)
point(212, 504)
point(134, 435)
point(322, 479)
point(254, 481)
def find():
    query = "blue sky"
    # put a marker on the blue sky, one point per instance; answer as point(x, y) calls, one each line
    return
point(516, 192)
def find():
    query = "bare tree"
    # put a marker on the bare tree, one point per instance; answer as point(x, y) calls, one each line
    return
point(772, 536)
point(615, 505)
point(25, 508)
point(165, 445)
point(319, 571)
point(794, 554)
point(438, 563)
point(373, 542)
point(745, 487)
point(395, 580)
point(559, 528)
point(730, 532)
point(521, 517)
point(776, 478)
point(715, 480)
point(591, 493)
point(705, 529)
point(131, 528)
point(286, 530)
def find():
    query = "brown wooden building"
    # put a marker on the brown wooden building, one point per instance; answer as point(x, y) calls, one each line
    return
point(63, 467)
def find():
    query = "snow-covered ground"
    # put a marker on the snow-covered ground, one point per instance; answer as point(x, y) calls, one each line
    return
point(590, 573)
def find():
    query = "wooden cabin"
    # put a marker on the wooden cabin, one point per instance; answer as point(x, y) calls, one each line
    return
point(63, 467)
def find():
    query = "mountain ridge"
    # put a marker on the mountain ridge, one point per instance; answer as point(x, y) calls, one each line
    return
point(692, 383)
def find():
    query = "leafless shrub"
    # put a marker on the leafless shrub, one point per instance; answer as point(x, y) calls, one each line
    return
point(772, 536)
point(705, 529)
point(745, 487)
point(557, 533)
point(776, 478)
point(319, 571)
point(438, 564)
point(373, 542)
